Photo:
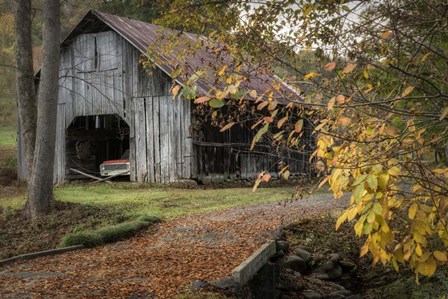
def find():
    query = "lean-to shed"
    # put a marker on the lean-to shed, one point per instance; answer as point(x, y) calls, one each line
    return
point(109, 105)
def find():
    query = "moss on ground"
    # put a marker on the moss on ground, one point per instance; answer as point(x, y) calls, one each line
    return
point(109, 234)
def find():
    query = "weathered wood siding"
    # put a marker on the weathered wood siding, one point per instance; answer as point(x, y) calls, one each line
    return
point(226, 155)
point(162, 140)
point(101, 74)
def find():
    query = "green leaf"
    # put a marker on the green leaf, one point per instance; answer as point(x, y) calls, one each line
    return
point(371, 217)
point(359, 180)
point(215, 103)
point(358, 193)
point(259, 134)
point(377, 208)
point(188, 92)
point(372, 181)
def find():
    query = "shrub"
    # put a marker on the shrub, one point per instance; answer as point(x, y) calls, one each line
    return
point(8, 170)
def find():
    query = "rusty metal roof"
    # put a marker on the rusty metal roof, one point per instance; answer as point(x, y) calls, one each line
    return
point(190, 52)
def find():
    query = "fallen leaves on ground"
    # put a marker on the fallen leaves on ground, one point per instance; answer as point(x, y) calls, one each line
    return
point(163, 261)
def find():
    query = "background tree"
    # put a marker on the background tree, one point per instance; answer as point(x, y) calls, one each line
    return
point(38, 122)
point(377, 99)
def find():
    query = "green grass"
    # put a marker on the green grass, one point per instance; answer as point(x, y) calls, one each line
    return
point(160, 202)
point(96, 214)
point(7, 137)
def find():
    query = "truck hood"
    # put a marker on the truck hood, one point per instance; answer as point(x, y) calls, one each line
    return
point(124, 161)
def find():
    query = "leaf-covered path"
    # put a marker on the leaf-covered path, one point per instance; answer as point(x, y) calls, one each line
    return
point(163, 261)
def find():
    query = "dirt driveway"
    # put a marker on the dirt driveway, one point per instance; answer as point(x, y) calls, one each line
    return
point(163, 261)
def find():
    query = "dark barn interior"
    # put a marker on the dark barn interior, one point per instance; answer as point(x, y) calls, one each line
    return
point(227, 155)
point(91, 140)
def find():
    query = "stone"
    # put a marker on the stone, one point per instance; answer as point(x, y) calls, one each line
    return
point(335, 286)
point(321, 276)
point(198, 285)
point(305, 255)
point(355, 296)
point(224, 283)
point(335, 257)
point(293, 262)
point(306, 248)
point(277, 254)
point(311, 294)
point(282, 245)
point(347, 265)
point(289, 286)
point(341, 294)
point(333, 270)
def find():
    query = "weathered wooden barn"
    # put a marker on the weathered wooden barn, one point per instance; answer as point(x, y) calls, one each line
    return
point(108, 104)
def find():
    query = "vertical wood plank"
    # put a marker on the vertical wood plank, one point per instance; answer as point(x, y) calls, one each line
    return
point(172, 156)
point(156, 140)
point(164, 140)
point(178, 115)
point(140, 140)
point(187, 142)
point(132, 145)
point(150, 139)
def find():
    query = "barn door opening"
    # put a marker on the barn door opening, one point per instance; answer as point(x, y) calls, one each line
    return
point(92, 140)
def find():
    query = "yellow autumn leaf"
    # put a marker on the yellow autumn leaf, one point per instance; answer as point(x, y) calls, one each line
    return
point(331, 103)
point(266, 177)
point(341, 219)
point(394, 171)
point(424, 57)
point(232, 89)
point(320, 166)
point(383, 179)
point(175, 90)
point(371, 217)
point(364, 250)
point(222, 71)
point(345, 121)
point(340, 99)
point(444, 113)
point(412, 211)
point(253, 93)
point(427, 268)
point(281, 122)
point(372, 181)
point(440, 256)
point(349, 68)
point(330, 66)
point(386, 34)
point(407, 91)
point(272, 105)
point(418, 250)
point(202, 100)
point(365, 73)
point(298, 126)
point(262, 105)
point(226, 127)
point(310, 75)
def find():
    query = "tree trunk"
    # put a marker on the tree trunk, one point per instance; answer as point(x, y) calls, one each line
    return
point(41, 183)
point(25, 93)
